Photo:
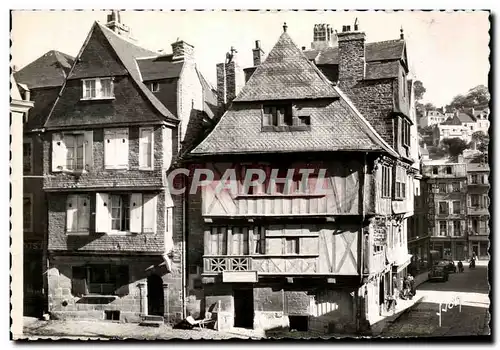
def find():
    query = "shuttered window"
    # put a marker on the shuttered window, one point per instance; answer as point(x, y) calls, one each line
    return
point(116, 148)
point(97, 88)
point(77, 214)
point(72, 151)
point(386, 181)
point(126, 213)
point(239, 241)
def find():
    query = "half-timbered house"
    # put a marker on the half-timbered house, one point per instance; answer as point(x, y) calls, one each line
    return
point(318, 253)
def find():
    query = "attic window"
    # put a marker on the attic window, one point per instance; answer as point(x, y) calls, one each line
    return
point(155, 87)
point(97, 88)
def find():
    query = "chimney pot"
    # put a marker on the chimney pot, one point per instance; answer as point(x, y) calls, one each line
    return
point(257, 44)
point(303, 48)
point(257, 54)
point(285, 27)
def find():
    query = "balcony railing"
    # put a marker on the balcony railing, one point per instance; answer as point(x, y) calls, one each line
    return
point(263, 264)
point(478, 211)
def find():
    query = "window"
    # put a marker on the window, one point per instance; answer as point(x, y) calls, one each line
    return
point(75, 151)
point(386, 181)
point(116, 148)
point(218, 241)
point(457, 228)
point(240, 241)
point(456, 207)
point(304, 120)
point(28, 212)
point(443, 208)
point(72, 151)
point(435, 170)
point(474, 200)
point(405, 132)
point(28, 156)
point(258, 234)
point(155, 86)
point(455, 186)
point(120, 219)
point(291, 245)
point(100, 279)
point(77, 214)
point(98, 88)
point(400, 192)
point(126, 213)
point(277, 116)
point(442, 188)
point(443, 228)
point(475, 226)
point(448, 170)
point(473, 179)
point(146, 145)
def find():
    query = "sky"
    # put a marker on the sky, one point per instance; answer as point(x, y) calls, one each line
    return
point(447, 51)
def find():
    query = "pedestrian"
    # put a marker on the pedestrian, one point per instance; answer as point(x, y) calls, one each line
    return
point(413, 290)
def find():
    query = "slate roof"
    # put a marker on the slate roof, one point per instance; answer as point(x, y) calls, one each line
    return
point(44, 100)
point(128, 53)
point(286, 74)
point(48, 70)
point(477, 167)
point(465, 118)
point(376, 55)
point(452, 121)
point(160, 67)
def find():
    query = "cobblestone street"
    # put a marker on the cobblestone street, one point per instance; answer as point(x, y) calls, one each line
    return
point(473, 318)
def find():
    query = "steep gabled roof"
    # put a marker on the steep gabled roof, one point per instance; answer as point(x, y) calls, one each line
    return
point(159, 67)
point(465, 118)
point(452, 121)
point(128, 53)
point(286, 74)
point(48, 70)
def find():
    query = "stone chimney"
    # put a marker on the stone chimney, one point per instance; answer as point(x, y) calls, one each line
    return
point(114, 23)
point(351, 55)
point(257, 54)
point(182, 50)
point(230, 79)
point(323, 37)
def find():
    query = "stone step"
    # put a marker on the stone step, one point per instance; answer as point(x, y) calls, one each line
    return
point(152, 318)
point(151, 324)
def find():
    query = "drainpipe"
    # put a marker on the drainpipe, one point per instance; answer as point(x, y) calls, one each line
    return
point(183, 250)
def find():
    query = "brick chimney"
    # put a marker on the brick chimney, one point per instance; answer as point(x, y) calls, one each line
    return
point(257, 54)
point(114, 23)
point(230, 79)
point(182, 50)
point(323, 37)
point(351, 55)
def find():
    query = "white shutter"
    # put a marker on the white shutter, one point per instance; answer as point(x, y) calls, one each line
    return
point(146, 152)
point(450, 207)
point(469, 201)
point(102, 213)
point(83, 213)
point(58, 152)
point(98, 88)
point(109, 149)
point(88, 146)
point(121, 148)
point(136, 212)
point(72, 213)
point(149, 213)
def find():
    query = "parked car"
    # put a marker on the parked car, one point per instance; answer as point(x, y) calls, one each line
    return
point(439, 271)
point(451, 267)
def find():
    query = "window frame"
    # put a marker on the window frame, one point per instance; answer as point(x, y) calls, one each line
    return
point(453, 207)
point(386, 185)
point(400, 183)
point(455, 222)
point(31, 211)
point(28, 141)
point(124, 211)
point(445, 212)
point(75, 136)
point(152, 86)
point(446, 228)
point(78, 231)
point(98, 89)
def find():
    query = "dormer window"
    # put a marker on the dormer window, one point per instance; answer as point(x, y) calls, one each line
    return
point(97, 88)
point(285, 117)
point(277, 116)
point(154, 87)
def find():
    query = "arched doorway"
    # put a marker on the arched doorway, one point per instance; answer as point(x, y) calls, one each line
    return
point(155, 295)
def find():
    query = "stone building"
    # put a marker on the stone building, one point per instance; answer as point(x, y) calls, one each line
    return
point(478, 215)
point(447, 208)
point(41, 81)
point(122, 117)
point(283, 254)
point(432, 117)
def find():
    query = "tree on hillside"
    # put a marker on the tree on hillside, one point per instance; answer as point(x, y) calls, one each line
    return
point(477, 97)
point(426, 134)
point(419, 90)
point(454, 146)
point(481, 140)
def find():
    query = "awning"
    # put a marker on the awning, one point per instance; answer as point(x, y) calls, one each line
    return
point(403, 262)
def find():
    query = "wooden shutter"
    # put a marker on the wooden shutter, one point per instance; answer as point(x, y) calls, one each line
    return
point(102, 213)
point(121, 148)
point(146, 141)
point(149, 213)
point(109, 149)
point(122, 280)
point(83, 213)
point(213, 250)
point(136, 212)
point(79, 281)
point(88, 137)
point(469, 200)
point(222, 241)
point(72, 213)
point(58, 152)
